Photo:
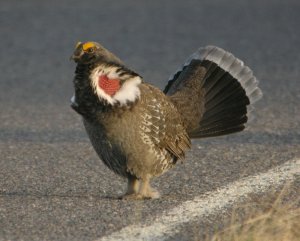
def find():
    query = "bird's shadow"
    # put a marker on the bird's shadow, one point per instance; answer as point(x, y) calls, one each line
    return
point(63, 196)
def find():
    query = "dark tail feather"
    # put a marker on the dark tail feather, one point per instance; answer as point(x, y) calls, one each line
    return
point(229, 87)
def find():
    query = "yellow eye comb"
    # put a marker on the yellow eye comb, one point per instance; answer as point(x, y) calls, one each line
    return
point(88, 45)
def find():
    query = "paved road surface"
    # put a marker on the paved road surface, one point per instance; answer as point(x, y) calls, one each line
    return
point(53, 186)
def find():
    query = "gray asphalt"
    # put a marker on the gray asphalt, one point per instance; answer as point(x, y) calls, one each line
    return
point(52, 184)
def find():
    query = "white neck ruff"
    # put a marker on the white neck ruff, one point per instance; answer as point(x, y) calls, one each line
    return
point(129, 91)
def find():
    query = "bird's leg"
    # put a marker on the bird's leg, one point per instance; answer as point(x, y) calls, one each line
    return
point(133, 185)
point(140, 189)
point(146, 191)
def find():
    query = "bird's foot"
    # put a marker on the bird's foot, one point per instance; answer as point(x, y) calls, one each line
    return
point(132, 196)
point(150, 193)
point(140, 189)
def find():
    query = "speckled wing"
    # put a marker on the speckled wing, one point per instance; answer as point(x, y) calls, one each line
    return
point(161, 124)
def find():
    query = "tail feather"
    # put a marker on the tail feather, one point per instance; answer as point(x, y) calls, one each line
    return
point(224, 122)
point(228, 89)
point(233, 99)
point(226, 115)
point(218, 131)
point(214, 127)
point(228, 86)
point(221, 112)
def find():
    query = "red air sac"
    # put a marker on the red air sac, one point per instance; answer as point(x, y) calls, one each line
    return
point(110, 86)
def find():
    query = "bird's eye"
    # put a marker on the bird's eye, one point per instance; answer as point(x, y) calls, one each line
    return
point(90, 50)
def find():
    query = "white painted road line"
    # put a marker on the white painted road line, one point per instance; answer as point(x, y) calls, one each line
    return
point(208, 204)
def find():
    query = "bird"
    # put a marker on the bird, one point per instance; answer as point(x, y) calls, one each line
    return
point(140, 131)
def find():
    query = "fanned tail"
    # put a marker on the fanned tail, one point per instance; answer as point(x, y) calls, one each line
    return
point(226, 90)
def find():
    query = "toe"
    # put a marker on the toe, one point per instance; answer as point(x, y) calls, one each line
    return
point(133, 196)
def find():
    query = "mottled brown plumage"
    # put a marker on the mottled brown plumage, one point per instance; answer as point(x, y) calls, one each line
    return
point(139, 131)
point(191, 91)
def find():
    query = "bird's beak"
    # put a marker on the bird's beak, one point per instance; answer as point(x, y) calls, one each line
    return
point(75, 57)
point(77, 53)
